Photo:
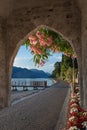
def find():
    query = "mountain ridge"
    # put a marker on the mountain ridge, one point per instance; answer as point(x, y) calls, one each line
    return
point(18, 72)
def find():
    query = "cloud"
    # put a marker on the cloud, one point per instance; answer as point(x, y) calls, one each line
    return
point(23, 58)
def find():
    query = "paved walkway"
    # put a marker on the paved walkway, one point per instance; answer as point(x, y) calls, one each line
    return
point(40, 112)
point(18, 95)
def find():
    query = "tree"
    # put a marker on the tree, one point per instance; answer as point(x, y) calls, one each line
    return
point(64, 69)
point(57, 71)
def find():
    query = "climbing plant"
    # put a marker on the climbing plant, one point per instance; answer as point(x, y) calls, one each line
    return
point(43, 41)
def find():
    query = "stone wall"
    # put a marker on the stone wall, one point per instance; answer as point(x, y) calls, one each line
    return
point(84, 51)
point(63, 16)
point(4, 81)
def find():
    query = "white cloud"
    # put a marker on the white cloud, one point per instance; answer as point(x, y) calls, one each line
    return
point(22, 58)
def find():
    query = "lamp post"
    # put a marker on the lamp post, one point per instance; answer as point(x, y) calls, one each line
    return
point(73, 60)
point(72, 86)
point(73, 72)
point(61, 68)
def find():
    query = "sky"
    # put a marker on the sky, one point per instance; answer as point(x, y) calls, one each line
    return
point(24, 59)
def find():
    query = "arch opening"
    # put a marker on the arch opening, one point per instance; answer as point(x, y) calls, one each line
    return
point(33, 33)
point(22, 41)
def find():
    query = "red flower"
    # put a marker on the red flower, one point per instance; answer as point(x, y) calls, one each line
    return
point(49, 41)
point(42, 42)
point(74, 114)
point(81, 109)
point(39, 35)
point(81, 119)
point(72, 102)
point(79, 125)
point(42, 63)
point(72, 123)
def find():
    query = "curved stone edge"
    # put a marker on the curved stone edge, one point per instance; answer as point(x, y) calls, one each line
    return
point(63, 114)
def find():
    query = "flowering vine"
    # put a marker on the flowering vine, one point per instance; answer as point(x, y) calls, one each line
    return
point(43, 41)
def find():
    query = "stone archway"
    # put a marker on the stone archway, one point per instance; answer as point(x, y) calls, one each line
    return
point(24, 19)
point(23, 41)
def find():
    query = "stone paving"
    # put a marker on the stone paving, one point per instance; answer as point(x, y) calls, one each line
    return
point(40, 112)
point(63, 114)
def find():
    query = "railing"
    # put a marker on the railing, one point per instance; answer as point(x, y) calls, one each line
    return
point(25, 85)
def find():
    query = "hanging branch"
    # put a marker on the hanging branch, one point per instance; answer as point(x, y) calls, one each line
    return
point(43, 41)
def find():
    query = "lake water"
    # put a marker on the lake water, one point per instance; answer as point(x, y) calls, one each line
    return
point(23, 81)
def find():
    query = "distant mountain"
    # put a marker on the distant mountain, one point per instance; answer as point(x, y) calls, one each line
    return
point(18, 72)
